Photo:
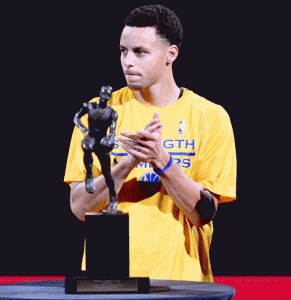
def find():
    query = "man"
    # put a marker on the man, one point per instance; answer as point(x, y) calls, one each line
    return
point(175, 152)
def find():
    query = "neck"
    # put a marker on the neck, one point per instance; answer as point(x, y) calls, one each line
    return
point(161, 94)
point(102, 104)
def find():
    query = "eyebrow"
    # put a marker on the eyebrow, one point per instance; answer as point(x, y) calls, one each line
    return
point(136, 48)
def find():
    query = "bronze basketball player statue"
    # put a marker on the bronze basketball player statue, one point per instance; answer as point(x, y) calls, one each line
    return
point(100, 117)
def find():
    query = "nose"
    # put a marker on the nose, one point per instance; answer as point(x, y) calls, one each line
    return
point(128, 59)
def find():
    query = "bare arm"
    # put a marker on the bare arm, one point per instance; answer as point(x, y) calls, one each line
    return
point(184, 191)
point(82, 202)
point(186, 194)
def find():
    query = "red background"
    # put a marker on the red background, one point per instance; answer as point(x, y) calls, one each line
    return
point(247, 287)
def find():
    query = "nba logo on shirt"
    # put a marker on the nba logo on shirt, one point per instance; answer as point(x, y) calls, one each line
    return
point(182, 126)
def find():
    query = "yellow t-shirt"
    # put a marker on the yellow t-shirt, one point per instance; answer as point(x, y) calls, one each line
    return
point(199, 136)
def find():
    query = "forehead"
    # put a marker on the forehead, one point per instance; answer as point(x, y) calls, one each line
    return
point(139, 36)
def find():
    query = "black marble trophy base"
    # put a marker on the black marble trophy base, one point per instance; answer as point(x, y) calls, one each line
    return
point(107, 258)
point(92, 285)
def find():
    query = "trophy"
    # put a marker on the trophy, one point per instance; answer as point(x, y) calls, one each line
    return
point(107, 232)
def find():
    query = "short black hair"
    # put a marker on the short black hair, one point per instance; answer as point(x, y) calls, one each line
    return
point(166, 22)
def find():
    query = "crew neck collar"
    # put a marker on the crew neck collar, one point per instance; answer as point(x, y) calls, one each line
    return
point(182, 93)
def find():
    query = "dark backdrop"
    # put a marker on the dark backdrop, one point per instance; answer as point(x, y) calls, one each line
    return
point(57, 56)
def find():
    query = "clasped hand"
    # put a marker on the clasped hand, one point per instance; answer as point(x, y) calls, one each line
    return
point(146, 145)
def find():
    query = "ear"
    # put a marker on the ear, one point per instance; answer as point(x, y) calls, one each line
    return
point(172, 54)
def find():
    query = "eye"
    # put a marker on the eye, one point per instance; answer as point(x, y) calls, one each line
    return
point(140, 51)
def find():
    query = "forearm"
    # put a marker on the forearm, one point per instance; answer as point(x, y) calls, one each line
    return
point(184, 192)
point(82, 202)
point(198, 205)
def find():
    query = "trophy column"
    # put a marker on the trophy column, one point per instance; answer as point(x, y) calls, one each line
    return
point(107, 258)
point(107, 244)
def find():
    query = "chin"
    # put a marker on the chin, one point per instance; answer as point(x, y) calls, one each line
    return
point(135, 87)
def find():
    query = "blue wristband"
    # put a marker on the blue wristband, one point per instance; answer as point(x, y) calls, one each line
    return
point(166, 167)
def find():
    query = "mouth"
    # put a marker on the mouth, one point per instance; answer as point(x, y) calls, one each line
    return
point(131, 73)
point(132, 77)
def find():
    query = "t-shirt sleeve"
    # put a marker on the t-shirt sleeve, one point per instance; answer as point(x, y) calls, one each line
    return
point(75, 168)
point(217, 165)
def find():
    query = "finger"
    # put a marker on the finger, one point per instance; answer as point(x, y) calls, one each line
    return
point(134, 146)
point(129, 135)
point(139, 148)
point(125, 133)
point(145, 134)
point(156, 115)
point(151, 123)
point(145, 144)
point(135, 152)
point(155, 127)
point(127, 142)
point(126, 147)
